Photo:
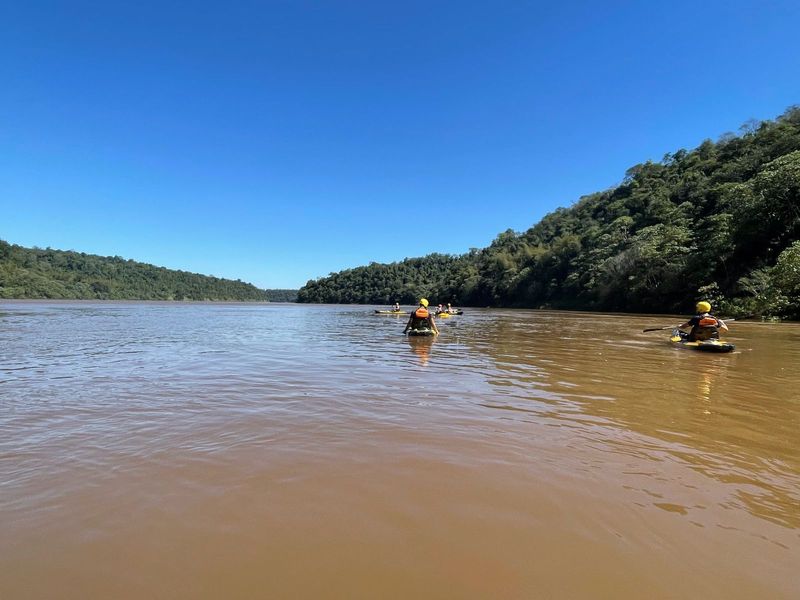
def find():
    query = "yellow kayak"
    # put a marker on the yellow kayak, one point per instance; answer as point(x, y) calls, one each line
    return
point(704, 346)
point(424, 332)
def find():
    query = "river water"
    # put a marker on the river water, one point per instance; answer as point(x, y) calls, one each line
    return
point(201, 451)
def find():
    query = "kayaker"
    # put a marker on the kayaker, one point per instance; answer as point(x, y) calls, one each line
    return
point(421, 318)
point(450, 308)
point(705, 326)
point(396, 307)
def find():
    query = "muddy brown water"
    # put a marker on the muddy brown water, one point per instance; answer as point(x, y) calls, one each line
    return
point(280, 451)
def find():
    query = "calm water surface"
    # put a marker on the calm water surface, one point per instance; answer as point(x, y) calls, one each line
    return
point(281, 451)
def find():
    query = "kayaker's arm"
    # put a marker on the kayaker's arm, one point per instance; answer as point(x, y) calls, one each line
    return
point(433, 325)
point(695, 320)
point(410, 320)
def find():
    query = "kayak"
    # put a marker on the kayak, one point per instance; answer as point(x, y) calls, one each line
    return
point(390, 312)
point(705, 346)
point(421, 332)
point(444, 315)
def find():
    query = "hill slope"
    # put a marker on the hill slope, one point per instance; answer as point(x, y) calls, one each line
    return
point(35, 273)
point(721, 222)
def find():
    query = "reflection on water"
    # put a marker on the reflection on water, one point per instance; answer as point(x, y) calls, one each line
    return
point(720, 415)
point(223, 450)
point(421, 346)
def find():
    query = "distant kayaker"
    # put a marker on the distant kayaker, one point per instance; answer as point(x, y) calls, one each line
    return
point(421, 319)
point(450, 308)
point(705, 326)
point(396, 307)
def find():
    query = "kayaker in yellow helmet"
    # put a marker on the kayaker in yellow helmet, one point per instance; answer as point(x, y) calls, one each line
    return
point(421, 318)
point(705, 326)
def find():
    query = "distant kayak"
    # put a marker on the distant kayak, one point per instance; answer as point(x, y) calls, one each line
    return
point(391, 312)
point(443, 315)
point(705, 346)
point(449, 314)
point(421, 332)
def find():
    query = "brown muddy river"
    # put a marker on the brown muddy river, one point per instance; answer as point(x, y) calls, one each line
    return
point(212, 451)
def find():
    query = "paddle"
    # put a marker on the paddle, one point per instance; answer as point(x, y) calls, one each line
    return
point(660, 328)
point(676, 326)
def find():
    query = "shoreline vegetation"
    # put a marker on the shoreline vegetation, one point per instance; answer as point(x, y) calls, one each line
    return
point(720, 223)
point(36, 274)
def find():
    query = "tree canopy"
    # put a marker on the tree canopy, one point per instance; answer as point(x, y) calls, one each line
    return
point(37, 273)
point(721, 222)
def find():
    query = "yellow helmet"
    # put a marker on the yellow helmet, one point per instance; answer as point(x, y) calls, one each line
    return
point(424, 302)
point(703, 307)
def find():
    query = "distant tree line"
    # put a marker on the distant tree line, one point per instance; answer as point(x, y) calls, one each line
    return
point(37, 273)
point(281, 295)
point(720, 222)
point(402, 282)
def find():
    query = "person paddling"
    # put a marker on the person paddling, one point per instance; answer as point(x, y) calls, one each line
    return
point(421, 319)
point(705, 326)
point(396, 307)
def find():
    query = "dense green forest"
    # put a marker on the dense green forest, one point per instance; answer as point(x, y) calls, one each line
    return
point(720, 222)
point(36, 273)
point(281, 295)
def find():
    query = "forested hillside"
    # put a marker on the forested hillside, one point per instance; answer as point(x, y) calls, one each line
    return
point(281, 295)
point(35, 273)
point(720, 222)
point(379, 283)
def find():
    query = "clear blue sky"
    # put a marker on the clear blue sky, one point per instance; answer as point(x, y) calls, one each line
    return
point(279, 141)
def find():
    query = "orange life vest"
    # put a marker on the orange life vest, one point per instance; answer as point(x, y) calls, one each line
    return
point(707, 328)
point(421, 313)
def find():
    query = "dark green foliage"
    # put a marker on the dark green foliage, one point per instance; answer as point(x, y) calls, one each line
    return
point(405, 282)
point(721, 221)
point(35, 273)
point(281, 295)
